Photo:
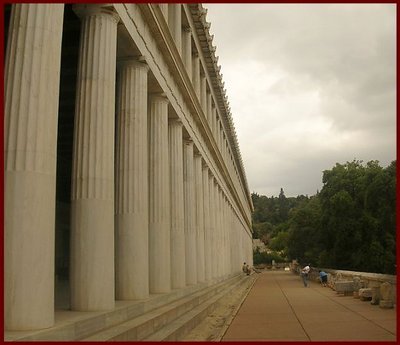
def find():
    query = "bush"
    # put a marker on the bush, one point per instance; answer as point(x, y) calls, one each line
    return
point(266, 258)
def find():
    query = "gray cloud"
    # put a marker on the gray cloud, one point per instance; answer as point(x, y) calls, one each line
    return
point(309, 85)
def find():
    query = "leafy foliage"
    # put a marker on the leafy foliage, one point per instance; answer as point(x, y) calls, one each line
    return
point(266, 258)
point(350, 224)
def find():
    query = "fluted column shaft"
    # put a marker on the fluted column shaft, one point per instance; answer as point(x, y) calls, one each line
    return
point(218, 134)
point(225, 236)
point(203, 93)
point(190, 225)
point(196, 73)
point(221, 137)
point(214, 121)
point(92, 204)
point(131, 187)
point(206, 210)
point(31, 90)
point(231, 235)
point(159, 209)
point(209, 108)
point(187, 49)
point(199, 217)
point(175, 24)
point(213, 228)
point(164, 10)
point(178, 267)
point(222, 239)
point(218, 232)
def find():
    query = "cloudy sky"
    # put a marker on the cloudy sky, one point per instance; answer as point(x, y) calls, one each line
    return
point(309, 85)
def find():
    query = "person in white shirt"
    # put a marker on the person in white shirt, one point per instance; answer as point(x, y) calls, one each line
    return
point(304, 274)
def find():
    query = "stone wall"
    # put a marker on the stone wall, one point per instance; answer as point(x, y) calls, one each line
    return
point(381, 288)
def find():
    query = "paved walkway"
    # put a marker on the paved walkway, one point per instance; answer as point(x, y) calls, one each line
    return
point(280, 308)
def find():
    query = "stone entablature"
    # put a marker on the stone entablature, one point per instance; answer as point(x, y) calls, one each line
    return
point(199, 16)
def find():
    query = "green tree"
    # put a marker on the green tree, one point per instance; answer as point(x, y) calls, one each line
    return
point(358, 216)
point(349, 224)
point(304, 234)
point(283, 206)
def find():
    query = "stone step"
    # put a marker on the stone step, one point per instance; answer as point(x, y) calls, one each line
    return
point(177, 329)
point(75, 325)
point(145, 325)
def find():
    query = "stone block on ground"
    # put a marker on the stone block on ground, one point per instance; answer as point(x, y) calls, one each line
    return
point(343, 286)
point(365, 294)
point(375, 295)
point(386, 295)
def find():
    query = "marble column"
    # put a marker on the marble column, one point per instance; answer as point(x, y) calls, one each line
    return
point(187, 49)
point(206, 210)
point(190, 229)
point(175, 24)
point(164, 10)
point(231, 239)
point(225, 149)
point(218, 134)
point(196, 73)
point(226, 239)
point(221, 137)
point(131, 187)
point(222, 234)
point(178, 267)
point(214, 120)
point(31, 93)
point(203, 93)
point(218, 231)
point(198, 178)
point(159, 198)
point(209, 108)
point(213, 227)
point(92, 205)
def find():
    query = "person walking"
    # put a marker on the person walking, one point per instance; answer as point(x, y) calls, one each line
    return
point(304, 274)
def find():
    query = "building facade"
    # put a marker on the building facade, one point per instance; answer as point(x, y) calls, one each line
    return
point(123, 175)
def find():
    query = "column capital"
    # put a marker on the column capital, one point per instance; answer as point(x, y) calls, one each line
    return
point(204, 165)
point(187, 29)
point(188, 141)
point(132, 61)
point(88, 10)
point(198, 154)
point(158, 97)
point(175, 121)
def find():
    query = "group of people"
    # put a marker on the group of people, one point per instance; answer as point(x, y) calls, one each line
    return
point(323, 276)
point(246, 269)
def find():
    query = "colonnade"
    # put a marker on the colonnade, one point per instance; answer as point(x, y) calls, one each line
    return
point(149, 212)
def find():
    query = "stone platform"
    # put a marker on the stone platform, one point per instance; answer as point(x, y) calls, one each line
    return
point(280, 308)
point(161, 317)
